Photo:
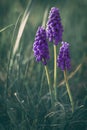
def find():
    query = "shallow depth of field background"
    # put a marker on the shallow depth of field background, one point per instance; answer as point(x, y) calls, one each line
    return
point(26, 83)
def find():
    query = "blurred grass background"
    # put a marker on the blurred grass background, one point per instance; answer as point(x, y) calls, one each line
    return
point(25, 84)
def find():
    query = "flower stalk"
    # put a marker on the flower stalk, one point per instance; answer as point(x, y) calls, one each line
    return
point(49, 84)
point(55, 73)
point(68, 90)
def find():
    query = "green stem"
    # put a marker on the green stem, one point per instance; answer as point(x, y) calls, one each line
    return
point(68, 90)
point(49, 84)
point(55, 74)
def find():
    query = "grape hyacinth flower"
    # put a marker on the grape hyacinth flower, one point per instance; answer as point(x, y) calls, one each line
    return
point(54, 27)
point(54, 30)
point(40, 46)
point(63, 60)
point(41, 52)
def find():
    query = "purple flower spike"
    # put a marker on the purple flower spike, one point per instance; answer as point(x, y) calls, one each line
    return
point(54, 27)
point(63, 60)
point(40, 46)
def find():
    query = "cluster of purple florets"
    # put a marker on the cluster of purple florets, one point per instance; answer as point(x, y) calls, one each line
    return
point(63, 60)
point(53, 32)
point(40, 46)
point(54, 27)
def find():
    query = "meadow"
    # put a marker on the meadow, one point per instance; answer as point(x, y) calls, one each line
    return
point(25, 100)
